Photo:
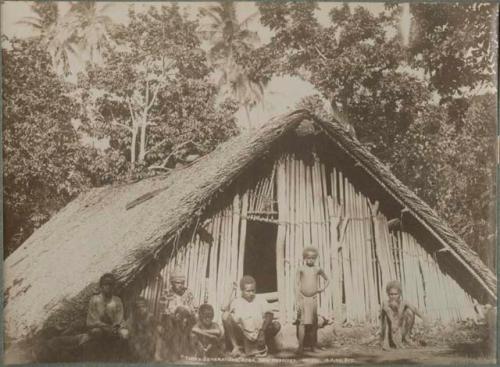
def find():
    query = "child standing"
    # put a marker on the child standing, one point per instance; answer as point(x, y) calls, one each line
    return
point(308, 288)
point(207, 336)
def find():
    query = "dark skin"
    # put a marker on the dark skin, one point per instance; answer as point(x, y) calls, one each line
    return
point(206, 318)
point(392, 320)
point(248, 293)
point(309, 259)
point(107, 288)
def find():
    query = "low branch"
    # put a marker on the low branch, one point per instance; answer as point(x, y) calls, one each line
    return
point(114, 122)
point(320, 53)
point(156, 146)
point(132, 114)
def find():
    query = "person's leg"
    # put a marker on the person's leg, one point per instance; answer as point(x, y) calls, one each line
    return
point(270, 334)
point(301, 336)
point(408, 322)
point(314, 330)
point(385, 331)
point(230, 330)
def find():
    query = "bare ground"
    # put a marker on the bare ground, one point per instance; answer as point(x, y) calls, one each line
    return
point(462, 343)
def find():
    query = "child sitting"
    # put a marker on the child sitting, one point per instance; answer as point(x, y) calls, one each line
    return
point(143, 332)
point(177, 315)
point(249, 323)
point(397, 318)
point(307, 300)
point(206, 336)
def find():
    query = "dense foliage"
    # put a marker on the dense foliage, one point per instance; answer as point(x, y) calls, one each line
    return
point(163, 89)
point(41, 150)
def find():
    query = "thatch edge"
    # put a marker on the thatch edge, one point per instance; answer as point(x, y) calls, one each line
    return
point(421, 210)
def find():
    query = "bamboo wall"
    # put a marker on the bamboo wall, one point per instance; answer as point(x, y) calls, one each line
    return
point(316, 205)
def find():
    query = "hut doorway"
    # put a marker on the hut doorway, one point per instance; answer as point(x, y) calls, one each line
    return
point(260, 255)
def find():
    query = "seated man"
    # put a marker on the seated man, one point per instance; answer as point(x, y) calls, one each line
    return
point(177, 317)
point(143, 332)
point(397, 318)
point(207, 336)
point(249, 322)
point(105, 319)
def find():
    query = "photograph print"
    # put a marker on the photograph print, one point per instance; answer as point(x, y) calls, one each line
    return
point(249, 182)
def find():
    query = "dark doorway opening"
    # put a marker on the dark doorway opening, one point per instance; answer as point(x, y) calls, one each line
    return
point(260, 255)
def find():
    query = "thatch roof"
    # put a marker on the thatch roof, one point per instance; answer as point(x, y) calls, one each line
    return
point(55, 268)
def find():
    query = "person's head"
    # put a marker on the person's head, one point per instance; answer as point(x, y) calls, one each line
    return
point(310, 254)
point(107, 284)
point(393, 289)
point(178, 281)
point(183, 317)
point(206, 314)
point(248, 287)
point(141, 306)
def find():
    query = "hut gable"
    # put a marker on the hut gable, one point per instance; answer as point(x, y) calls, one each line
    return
point(126, 228)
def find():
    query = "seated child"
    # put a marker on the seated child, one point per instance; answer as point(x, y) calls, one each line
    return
point(397, 318)
point(143, 332)
point(308, 289)
point(249, 322)
point(207, 336)
point(177, 315)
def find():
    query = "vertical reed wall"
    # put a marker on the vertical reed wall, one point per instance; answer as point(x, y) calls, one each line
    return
point(317, 205)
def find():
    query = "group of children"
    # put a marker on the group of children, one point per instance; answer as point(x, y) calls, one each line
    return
point(248, 325)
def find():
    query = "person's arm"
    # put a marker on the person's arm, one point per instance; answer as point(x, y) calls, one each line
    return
point(190, 300)
point(93, 317)
point(268, 314)
point(325, 278)
point(416, 311)
point(211, 334)
point(226, 306)
point(297, 280)
point(118, 317)
point(384, 328)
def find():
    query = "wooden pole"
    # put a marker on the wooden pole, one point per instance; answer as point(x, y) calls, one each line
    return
point(280, 244)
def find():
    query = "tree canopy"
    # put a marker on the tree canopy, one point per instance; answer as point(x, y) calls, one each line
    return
point(163, 88)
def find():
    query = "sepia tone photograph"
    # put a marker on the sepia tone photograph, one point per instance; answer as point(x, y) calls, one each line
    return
point(229, 183)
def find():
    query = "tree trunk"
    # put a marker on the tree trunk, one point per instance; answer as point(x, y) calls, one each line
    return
point(132, 147)
point(247, 113)
point(142, 147)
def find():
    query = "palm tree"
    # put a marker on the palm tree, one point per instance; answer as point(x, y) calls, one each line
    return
point(228, 36)
point(91, 26)
point(52, 30)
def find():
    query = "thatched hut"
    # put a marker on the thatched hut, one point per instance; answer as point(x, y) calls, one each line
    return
point(249, 207)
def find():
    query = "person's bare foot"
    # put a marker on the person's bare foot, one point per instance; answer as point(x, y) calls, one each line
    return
point(236, 352)
point(386, 346)
point(409, 342)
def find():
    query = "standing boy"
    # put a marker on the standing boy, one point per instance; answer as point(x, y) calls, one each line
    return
point(308, 288)
point(397, 318)
point(249, 322)
point(207, 336)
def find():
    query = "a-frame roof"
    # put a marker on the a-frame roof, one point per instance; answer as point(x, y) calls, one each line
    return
point(55, 270)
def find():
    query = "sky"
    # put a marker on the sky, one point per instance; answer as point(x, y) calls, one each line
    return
point(281, 94)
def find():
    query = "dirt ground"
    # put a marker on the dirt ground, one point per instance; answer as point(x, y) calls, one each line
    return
point(461, 343)
point(464, 343)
